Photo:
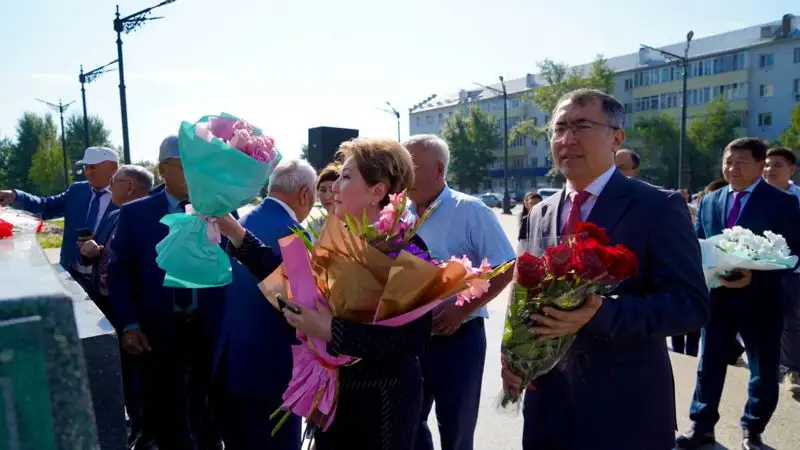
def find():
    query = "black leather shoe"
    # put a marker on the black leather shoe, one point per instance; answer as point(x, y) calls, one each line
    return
point(693, 440)
point(752, 441)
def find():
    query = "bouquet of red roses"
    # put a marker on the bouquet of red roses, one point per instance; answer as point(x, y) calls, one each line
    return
point(562, 277)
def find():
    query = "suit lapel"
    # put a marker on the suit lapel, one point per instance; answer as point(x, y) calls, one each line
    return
point(753, 209)
point(720, 206)
point(612, 203)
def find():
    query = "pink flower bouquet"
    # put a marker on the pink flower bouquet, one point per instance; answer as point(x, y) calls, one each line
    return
point(226, 162)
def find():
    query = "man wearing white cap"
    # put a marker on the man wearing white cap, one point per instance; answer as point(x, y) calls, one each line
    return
point(83, 205)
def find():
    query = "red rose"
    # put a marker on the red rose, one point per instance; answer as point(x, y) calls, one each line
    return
point(592, 231)
point(585, 259)
point(6, 229)
point(530, 271)
point(619, 262)
point(557, 260)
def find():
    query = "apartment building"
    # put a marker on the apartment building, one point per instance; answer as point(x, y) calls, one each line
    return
point(757, 69)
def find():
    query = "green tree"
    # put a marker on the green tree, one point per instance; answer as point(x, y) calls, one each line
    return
point(790, 137)
point(708, 135)
point(304, 152)
point(656, 139)
point(556, 80)
point(32, 130)
point(152, 167)
point(98, 137)
point(6, 148)
point(47, 168)
point(471, 138)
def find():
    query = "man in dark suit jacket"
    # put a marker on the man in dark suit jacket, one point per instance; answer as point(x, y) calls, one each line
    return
point(750, 304)
point(254, 357)
point(168, 329)
point(82, 205)
point(614, 389)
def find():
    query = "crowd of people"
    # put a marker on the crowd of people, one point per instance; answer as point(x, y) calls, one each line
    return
point(206, 368)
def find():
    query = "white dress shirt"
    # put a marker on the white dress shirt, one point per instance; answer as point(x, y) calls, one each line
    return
point(594, 188)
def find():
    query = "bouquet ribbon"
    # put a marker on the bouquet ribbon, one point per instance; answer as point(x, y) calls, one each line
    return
point(212, 229)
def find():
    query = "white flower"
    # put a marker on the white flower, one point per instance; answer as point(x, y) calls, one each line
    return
point(743, 242)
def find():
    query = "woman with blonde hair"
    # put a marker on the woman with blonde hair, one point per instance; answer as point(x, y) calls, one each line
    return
point(380, 397)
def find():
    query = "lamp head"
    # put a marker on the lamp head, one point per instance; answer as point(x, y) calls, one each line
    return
point(689, 36)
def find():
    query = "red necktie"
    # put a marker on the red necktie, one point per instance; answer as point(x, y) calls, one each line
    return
point(577, 199)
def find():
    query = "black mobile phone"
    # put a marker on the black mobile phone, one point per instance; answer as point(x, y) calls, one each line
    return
point(84, 232)
point(282, 304)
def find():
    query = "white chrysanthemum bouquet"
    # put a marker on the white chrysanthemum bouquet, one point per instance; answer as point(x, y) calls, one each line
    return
point(740, 248)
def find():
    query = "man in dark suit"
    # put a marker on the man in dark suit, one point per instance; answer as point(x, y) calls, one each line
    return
point(83, 206)
point(614, 389)
point(748, 303)
point(128, 184)
point(167, 329)
point(254, 358)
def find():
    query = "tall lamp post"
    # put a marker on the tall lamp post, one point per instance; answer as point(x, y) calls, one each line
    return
point(504, 93)
point(60, 107)
point(393, 111)
point(86, 78)
point(126, 25)
point(683, 61)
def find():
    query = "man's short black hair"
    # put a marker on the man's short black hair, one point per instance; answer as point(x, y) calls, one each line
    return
point(756, 146)
point(783, 152)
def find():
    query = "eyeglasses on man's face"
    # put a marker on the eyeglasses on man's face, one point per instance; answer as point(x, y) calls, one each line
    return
point(580, 129)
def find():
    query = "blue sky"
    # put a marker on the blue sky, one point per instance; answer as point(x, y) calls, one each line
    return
point(290, 65)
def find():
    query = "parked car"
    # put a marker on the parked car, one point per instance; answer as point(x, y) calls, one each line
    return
point(493, 200)
point(547, 192)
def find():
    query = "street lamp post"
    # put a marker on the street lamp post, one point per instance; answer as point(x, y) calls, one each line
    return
point(126, 25)
point(684, 63)
point(60, 107)
point(504, 93)
point(86, 78)
point(393, 111)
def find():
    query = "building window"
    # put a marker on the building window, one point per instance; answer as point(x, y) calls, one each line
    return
point(796, 86)
point(628, 108)
point(514, 103)
point(450, 114)
point(797, 55)
point(535, 162)
point(766, 90)
point(766, 61)
point(429, 120)
point(419, 120)
point(441, 118)
point(765, 119)
point(628, 84)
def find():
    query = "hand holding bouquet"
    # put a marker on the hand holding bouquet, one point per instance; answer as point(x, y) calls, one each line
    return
point(369, 273)
point(562, 278)
point(740, 248)
point(226, 162)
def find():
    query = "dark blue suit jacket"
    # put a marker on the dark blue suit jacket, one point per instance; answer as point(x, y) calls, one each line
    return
point(768, 208)
point(136, 283)
point(255, 339)
point(72, 205)
point(614, 389)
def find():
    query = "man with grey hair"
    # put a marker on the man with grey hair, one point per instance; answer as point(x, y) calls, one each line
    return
point(453, 366)
point(595, 398)
point(627, 162)
point(129, 183)
point(254, 357)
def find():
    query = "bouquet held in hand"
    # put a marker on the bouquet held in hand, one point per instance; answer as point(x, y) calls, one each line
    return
point(740, 248)
point(562, 277)
point(226, 162)
point(370, 273)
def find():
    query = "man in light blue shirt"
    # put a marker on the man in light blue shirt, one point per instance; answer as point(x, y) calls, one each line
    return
point(780, 166)
point(460, 225)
